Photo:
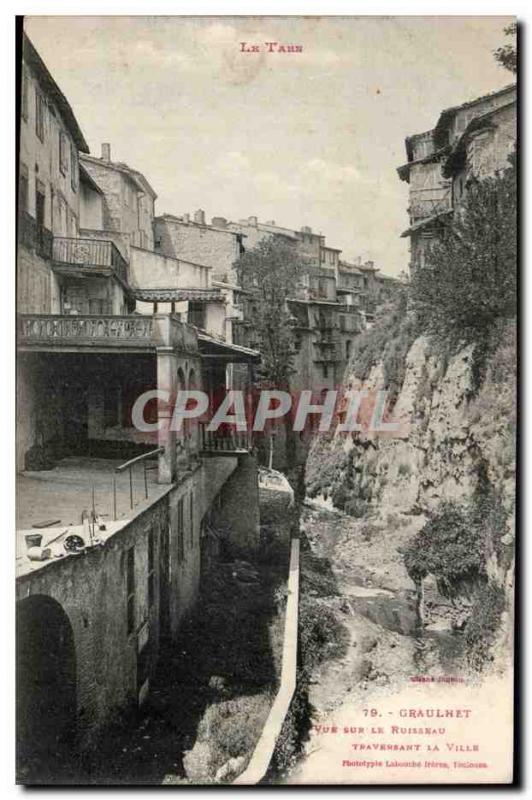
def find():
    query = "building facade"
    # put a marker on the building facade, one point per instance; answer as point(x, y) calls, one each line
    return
point(111, 519)
point(470, 140)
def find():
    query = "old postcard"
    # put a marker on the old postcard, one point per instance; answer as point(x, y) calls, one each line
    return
point(266, 400)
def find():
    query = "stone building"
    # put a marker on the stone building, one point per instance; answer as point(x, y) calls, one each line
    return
point(323, 325)
point(49, 182)
point(474, 138)
point(127, 199)
point(111, 521)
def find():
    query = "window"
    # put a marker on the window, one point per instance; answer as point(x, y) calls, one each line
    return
point(348, 348)
point(325, 371)
point(196, 313)
point(180, 531)
point(191, 519)
point(24, 95)
point(74, 167)
point(130, 589)
point(23, 185)
point(151, 568)
point(39, 115)
point(63, 152)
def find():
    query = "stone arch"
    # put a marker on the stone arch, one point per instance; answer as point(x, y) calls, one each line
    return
point(46, 690)
point(181, 435)
point(193, 426)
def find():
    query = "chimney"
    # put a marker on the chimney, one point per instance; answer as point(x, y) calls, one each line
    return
point(306, 229)
point(186, 218)
point(253, 221)
point(219, 222)
point(199, 217)
point(270, 222)
point(106, 152)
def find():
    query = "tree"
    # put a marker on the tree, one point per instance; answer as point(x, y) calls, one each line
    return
point(272, 271)
point(468, 284)
point(507, 54)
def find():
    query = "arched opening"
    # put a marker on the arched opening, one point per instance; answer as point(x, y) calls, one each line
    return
point(181, 435)
point(46, 691)
point(193, 427)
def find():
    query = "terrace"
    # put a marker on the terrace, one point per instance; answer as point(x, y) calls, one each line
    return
point(103, 333)
point(87, 256)
point(51, 502)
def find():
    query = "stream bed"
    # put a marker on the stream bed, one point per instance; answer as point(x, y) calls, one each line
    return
point(373, 598)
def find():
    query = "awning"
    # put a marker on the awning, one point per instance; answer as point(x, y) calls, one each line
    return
point(425, 222)
point(211, 347)
point(177, 295)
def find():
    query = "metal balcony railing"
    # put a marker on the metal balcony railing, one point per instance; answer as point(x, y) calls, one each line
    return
point(225, 441)
point(128, 465)
point(89, 253)
point(426, 202)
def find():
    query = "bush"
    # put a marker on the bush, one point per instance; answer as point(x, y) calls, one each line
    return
point(467, 287)
point(451, 546)
point(321, 636)
point(356, 508)
point(234, 727)
point(482, 626)
point(387, 342)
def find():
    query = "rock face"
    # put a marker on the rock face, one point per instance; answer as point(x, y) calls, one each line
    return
point(447, 430)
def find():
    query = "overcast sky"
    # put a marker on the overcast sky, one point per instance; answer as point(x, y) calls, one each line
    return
point(311, 138)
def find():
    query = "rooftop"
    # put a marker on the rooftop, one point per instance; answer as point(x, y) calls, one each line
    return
point(60, 495)
point(448, 114)
point(32, 57)
point(120, 166)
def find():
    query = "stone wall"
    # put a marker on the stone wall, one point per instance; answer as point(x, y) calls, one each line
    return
point(200, 244)
point(124, 209)
point(91, 588)
point(34, 283)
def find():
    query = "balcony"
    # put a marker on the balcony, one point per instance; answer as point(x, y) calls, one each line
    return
point(429, 201)
point(104, 333)
point(84, 255)
point(224, 442)
point(327, 349)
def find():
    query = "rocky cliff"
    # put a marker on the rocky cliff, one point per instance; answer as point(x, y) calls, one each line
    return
point(448, 429)
point(455, 445)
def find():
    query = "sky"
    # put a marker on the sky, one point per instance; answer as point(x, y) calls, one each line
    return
point(308, 138)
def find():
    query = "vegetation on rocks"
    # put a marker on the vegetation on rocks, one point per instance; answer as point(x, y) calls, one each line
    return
point(387, 343)
point(466, 290)
point(321, 637)
point(483, 624)
point(451, 546)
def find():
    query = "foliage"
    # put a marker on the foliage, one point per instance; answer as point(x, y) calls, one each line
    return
point(507, 54)
point(234, 727)
point(328, 465)
point(321, 637)
point(272, 271)
point(467, 289)
point(358, 507)
point(451, 546)
point(404, 470)
point(482, 626)
point(388, 342)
